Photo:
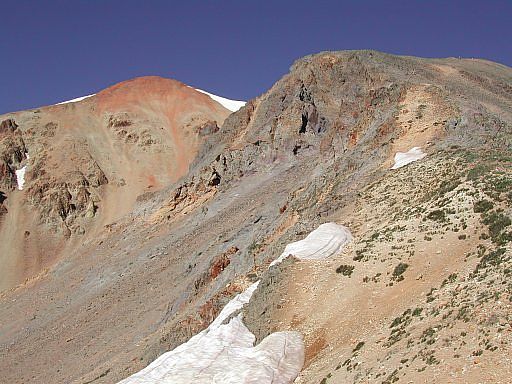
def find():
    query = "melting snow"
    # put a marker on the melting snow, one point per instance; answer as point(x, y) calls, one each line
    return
point(404, 158)
point(232, 105)
point(20, 175)
point(224, 353)
point(325, 241)
point(75, 100)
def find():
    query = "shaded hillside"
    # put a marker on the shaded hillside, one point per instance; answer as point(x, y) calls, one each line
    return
point(317, 147)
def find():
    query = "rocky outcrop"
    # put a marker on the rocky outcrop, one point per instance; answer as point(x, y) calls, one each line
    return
point(64, 202)
point(8, 126)
point(3, 210)
point(12, 153)
point(131, 131)
point(207, 128)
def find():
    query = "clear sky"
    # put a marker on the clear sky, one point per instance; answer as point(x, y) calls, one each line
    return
point(52, 51)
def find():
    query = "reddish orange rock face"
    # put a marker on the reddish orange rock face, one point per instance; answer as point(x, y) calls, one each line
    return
point(89, 162)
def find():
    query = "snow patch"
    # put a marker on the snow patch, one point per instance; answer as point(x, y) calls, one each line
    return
point(232, 105)
point(75, 100)
point(20, 175)
point(325, 241)
point(224, 353)
point(404, 158)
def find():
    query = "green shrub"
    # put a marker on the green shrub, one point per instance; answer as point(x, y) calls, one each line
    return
point(399, 270)
point(345, 270)
point(358, 346)
point(477, 171)
point(447, 186)
point(493, 258)
point(482, 206)
point(502, 184)
point(437, 215)
point(497, 222)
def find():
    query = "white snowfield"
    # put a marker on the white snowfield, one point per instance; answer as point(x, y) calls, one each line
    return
point(20, 175)
point(325, 241)
point(75, 100)
point(404, 158)
point(224, 353)
point(232, 105)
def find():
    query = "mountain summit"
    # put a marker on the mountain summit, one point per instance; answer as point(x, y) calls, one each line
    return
point(87, 160)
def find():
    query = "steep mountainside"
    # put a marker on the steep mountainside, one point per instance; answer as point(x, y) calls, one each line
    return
point(162, 216)
point(88, 161)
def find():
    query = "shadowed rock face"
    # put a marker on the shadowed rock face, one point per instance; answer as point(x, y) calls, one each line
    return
point(140, 195)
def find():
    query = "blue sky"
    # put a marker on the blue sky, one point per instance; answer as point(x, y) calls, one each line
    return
point(57, 50)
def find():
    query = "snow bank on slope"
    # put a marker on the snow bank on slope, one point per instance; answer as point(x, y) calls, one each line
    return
point(232, 105)
point(325, 241)
point(224, 353)
point(75, 100)
point(20, 175)
point(404, 158)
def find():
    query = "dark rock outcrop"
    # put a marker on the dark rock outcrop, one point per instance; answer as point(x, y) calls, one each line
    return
point(12, 153)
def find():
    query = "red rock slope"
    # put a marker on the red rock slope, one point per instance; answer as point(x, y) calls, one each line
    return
point(88, 161)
